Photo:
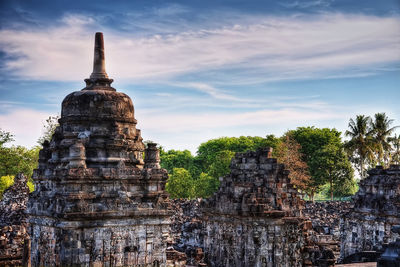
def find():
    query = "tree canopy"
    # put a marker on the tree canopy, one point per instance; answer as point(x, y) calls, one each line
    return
point(211, 162)
point(180, 184)
point(300, 150)
point(317, 158)
point(371, 142)
point(322, 150)
point(207, 152)
point(289, 153)
point(331, 165)
point(14, 160)
point(360, 147)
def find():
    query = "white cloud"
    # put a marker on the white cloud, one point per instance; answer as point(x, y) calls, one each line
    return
point(25, 124)
point(270, 48)
point(254, 49)
point(186, 131)
point(266, 117)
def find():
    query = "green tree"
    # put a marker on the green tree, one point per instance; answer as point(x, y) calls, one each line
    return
point(5, 182)
point(180, 184)
point(382, 130)
point(330, 165)
point(214, 157)
point(395, 153)
point(49, 128)
point(220, 166)
point(360, 147)
point(205, 185)
point(346, 188)
point(311, 140)
point(16, 159)
point(5, 137)
point(179, 159)
point(207, 152)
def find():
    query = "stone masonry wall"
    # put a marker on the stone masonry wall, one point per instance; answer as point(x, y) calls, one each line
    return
point(367, 226)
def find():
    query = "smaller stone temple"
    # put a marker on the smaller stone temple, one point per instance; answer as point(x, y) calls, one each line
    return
point(367, 227)
point(254, 219)
point(99, 196)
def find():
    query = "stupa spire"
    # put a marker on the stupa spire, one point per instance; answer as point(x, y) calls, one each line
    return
point(99, 77)
point(99, 63)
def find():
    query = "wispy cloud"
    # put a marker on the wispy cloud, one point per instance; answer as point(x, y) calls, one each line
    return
point(307, 4)
point(271, 48)
point(170, 10)
point(211, 91)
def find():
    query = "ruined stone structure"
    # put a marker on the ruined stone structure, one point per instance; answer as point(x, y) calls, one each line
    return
point(14, 239)
point(367, 226)
point(325, 217)
point(187, 231)
point(254, 219)
point(96, 201)
point(99, 202)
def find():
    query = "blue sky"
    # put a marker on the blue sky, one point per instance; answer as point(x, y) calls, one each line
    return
point(197, 70)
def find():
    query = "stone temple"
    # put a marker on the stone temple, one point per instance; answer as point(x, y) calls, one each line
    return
point(97, 202)
point(255, 217)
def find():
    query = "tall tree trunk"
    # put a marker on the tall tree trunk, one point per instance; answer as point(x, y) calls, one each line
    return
point(362, 166)
point(331, 182)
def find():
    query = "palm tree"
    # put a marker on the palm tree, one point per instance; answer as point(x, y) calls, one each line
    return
point(395, 154)
point(360, 146)
point(381, 133)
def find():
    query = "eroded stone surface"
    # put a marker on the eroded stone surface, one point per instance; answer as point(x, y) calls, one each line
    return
point(187, 230)
point(96, 201)
point(254, 219)
point(235, 228)
point(367, 226)
point(325, 236)
point(14, 239)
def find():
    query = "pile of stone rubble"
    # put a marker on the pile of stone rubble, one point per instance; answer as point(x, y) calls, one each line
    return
point(187, 231)
point(324, 238)
point(14, 239)
point(325, 216)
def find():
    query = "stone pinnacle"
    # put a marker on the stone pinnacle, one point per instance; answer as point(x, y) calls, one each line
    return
point(99, 64)
point(99, 79)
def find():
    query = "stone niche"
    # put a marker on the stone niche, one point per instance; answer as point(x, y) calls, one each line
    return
point(97, 200)
point(366, 228)
point(254, 219)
